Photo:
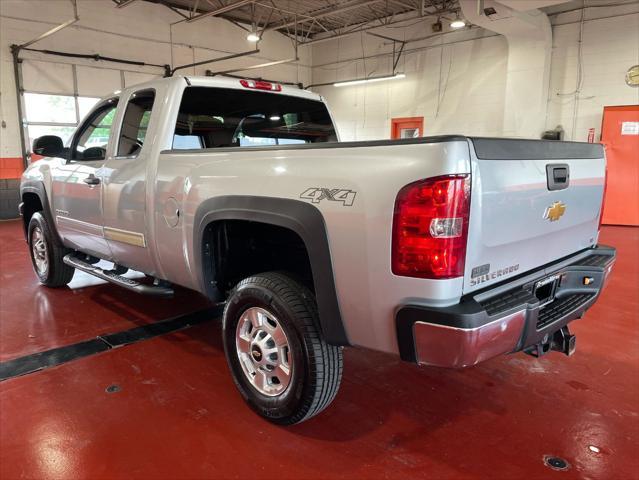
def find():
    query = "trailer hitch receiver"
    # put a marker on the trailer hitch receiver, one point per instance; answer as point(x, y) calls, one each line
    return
point(563, 341)
point(560, 341)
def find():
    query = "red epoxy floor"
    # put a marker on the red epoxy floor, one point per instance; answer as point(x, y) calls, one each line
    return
point(178, 415)
point(36, 318)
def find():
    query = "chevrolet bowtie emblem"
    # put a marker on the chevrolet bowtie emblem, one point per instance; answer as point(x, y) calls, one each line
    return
point(555, 211)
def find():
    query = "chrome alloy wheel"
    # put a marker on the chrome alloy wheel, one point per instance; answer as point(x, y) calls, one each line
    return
point(263, 350)
point(39, 250)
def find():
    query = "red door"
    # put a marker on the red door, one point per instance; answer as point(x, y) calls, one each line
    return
point(620, 135)
point(410, 127)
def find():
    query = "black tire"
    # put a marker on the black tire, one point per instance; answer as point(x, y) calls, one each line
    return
point(316, 366)
point(56, 273)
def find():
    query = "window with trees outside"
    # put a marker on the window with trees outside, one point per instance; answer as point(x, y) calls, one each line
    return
point(54, 114)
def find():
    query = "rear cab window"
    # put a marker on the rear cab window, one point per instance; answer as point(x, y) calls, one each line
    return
point(212, 117)
point(135, 123)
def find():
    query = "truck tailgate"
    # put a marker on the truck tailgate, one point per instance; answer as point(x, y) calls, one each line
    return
point(533, 202)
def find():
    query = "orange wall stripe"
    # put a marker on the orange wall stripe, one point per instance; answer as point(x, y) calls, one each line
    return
point(11, 168)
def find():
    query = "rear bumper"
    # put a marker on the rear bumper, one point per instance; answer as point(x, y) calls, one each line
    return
point(503, 319)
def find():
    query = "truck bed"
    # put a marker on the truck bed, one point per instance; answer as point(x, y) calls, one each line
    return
point(507, 227)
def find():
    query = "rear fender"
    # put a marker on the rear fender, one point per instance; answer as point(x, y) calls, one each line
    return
point(303, 219)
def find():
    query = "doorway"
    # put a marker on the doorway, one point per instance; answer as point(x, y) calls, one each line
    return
point(408, 127)
point(620, 135)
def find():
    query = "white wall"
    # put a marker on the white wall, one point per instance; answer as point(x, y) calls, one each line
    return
point(456, 88)
point(473, 77)
point(140, 31)
point(610, 46)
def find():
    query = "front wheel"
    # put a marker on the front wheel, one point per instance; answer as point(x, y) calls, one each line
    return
point(47, 254)
point(281, 365)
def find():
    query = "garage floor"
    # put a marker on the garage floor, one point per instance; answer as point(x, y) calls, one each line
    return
point(166, 407)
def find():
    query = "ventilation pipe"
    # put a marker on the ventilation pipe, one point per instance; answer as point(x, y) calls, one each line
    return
point(529, 38)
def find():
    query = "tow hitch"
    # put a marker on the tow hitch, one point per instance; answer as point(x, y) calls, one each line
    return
point(560, 341)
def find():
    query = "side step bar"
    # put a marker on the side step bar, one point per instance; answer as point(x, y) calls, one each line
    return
point(111, 276)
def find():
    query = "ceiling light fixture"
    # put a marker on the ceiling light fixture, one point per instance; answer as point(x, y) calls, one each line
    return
point(458, 22)
point(359, 81)
point(253, 37)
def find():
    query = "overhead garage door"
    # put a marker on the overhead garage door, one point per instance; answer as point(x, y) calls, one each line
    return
point(58, 95)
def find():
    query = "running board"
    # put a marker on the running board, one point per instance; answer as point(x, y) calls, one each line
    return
point(109, 276)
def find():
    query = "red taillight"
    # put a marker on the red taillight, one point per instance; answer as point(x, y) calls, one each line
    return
point(430, 228)
point(261, 85)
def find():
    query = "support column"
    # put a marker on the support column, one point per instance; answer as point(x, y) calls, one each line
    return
point(529, 38)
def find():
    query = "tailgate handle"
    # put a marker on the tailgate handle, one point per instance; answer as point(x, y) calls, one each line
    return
point(558, 176)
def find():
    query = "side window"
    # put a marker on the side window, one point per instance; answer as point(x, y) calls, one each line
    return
point(183, 142)
point(93, 137)
point(135, 123)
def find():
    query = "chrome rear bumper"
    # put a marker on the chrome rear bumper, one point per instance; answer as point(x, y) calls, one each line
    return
point(445, 346)
point(502, 319)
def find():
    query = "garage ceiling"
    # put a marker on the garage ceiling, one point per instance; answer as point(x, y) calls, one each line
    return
point(305, 19)
point(309, 20)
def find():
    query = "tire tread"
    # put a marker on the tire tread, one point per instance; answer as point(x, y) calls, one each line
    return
point(60, 274)
point(325, 361)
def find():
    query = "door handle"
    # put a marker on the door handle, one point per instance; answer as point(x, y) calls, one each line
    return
point(91, 180)
point(557, 176)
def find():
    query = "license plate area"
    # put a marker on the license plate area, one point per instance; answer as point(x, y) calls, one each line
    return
point(545, 289)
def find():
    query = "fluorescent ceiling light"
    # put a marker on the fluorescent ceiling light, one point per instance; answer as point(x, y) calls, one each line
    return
point(369, 80)
point(253, 37)
point(274, 118)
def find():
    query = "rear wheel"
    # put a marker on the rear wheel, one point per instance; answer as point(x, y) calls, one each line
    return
point(47, 254)
point(282, 367)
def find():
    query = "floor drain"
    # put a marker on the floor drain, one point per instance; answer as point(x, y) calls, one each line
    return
point(556, 463)
point(113, 388)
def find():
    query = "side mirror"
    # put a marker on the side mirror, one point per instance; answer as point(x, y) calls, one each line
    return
point(48, 146)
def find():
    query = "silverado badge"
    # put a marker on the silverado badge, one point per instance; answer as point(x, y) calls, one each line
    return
point(555, 211)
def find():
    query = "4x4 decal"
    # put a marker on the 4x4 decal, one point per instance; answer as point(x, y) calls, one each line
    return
point(316, 195)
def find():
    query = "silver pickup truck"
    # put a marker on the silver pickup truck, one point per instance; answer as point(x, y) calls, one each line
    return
point(444, 250)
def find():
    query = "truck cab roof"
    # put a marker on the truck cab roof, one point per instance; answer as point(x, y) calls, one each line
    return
point(220, 81)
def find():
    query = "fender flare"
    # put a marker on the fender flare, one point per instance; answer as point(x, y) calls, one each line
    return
point(37, 187)
point(302, 218)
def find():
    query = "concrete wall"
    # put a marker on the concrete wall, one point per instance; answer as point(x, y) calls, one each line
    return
point(461, 87)
point(140, 31)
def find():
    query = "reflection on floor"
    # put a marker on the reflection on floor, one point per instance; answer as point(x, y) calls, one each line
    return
point(167, 407)
point(82, 280)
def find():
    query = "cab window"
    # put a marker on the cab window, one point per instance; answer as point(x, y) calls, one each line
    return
point(221, 117)
point(92, 139)
point(135, 123)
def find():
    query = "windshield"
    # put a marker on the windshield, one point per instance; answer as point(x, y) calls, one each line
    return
point(221, 117)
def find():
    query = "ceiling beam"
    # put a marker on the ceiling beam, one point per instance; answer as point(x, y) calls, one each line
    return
point(385, 21)
point(124, 3)
point(404, 4)
point(221, 10)
point(324, 13)
point(281, 11)
point(366, 27)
